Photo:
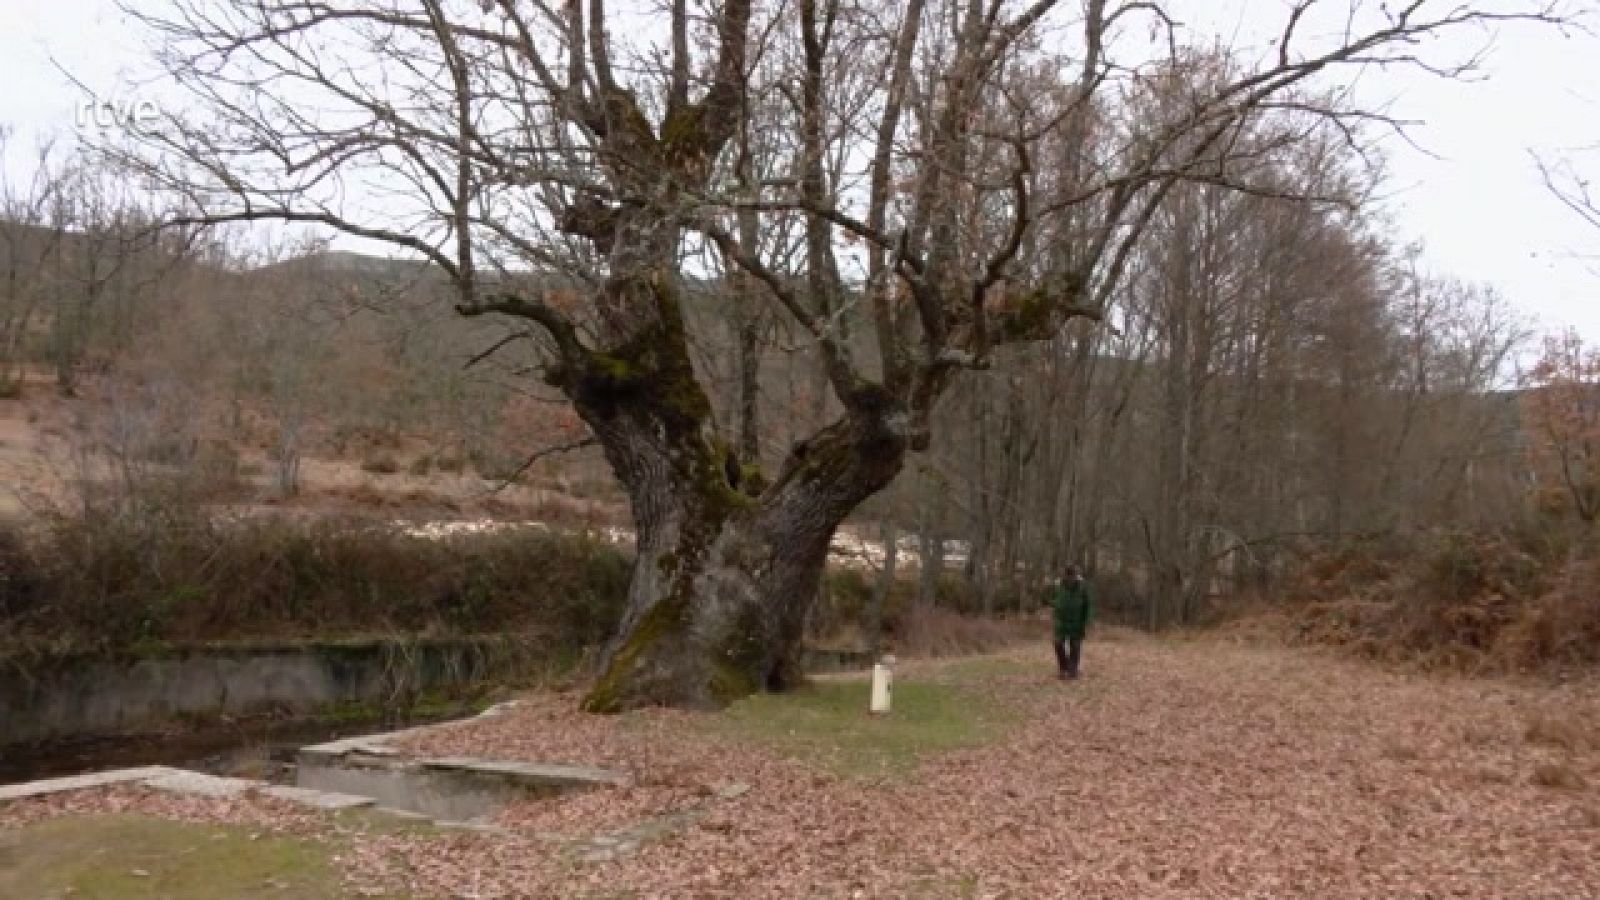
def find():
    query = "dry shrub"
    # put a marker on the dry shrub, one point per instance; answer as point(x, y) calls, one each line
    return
point(1109, 633)
point(217, 462)
point(1256, 623)
point(19, 575)
point(951, 627)
point(380, 463)
point(1561, 628)
point(412, 501)
point(1452, 601)
point(496, 465)
point(1345, 571)
point(173, 576)
point(942, 632)
point(559, 509)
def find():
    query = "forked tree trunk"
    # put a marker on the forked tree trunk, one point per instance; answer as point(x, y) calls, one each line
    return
point(723, 577)
point(722, 581)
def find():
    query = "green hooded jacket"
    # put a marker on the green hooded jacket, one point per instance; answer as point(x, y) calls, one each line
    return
point(1073, 609)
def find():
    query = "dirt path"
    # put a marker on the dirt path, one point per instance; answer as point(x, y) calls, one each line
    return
point(1174, 769)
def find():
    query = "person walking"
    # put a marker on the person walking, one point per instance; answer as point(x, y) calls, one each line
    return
point(1073, 608)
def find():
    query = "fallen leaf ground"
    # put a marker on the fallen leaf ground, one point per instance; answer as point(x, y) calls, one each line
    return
point(1194, 768)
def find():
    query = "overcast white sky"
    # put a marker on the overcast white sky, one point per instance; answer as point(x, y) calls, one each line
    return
point(1476, 203)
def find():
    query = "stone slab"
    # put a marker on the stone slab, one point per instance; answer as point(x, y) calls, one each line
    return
point(371, 744)
point(378, 744)
point(79, 782)
point(536, 774)
point(182, 781)
point(317, 799)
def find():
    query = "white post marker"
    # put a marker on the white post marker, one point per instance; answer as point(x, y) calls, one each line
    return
point(882, 685)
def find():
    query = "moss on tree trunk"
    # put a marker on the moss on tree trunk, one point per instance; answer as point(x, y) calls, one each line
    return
point(723, 580)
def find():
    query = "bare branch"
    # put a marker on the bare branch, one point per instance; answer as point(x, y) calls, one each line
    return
point(537, 455)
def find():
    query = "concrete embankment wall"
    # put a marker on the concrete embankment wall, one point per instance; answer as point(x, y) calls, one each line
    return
point(83, 696)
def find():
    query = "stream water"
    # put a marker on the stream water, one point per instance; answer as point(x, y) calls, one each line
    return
point(261, 748)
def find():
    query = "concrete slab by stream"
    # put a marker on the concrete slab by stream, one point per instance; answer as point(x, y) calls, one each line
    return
point(180, 781)
point(366, 771)
point(459, 789)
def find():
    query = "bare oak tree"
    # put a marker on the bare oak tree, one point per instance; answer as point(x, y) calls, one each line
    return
point(515, 144)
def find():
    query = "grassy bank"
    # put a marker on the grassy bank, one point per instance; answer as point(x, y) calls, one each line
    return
point(139, 857)
point(147, 857)
point(827, 723)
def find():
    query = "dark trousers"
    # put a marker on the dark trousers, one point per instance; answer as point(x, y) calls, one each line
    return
point(1069, 652)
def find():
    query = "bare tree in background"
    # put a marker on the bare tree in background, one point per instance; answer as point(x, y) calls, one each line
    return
point(81, 261)
point(1562, 408)
point(1280, 374)
point(510, 142)
point(31, 233)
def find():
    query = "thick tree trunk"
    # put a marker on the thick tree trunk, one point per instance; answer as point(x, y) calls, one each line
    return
point(723, 580)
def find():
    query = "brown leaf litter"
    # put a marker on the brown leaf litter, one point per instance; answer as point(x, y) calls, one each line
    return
point(1173, 769)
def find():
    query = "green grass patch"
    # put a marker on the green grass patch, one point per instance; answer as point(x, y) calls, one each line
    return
point(131, 857)
point(827, 722)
